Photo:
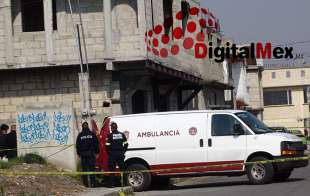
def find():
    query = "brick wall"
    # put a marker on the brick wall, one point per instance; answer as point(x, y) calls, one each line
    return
point(54, 85)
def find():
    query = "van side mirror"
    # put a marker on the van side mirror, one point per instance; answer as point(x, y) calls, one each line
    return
point(238, 129)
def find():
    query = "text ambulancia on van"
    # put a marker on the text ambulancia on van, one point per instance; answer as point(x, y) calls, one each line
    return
point(196, 143)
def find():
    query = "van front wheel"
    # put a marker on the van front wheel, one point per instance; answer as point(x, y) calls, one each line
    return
point(137, 177)
point(260, 173)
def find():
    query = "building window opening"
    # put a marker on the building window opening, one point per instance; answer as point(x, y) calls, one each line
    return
point(185, 12)
point(168, 15)
point(307, 94)
point(288, 74)
point(54, 15)
point(139, 102)
point(303, 73)
point(277, 97)
point(163, 103)
point(273, 75)
point(32, 15)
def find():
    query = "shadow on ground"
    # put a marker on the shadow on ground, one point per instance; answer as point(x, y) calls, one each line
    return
point(217, 184)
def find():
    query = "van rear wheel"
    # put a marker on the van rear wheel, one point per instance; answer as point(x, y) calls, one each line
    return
point(260, 173)
point(137, 178)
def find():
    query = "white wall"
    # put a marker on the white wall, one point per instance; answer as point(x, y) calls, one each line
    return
point(48, 125)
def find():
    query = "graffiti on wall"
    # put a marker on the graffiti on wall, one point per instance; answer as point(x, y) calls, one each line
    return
point(37, 127)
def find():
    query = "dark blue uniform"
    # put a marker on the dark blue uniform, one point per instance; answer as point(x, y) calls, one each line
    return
point(87, 147)
point(116, 145)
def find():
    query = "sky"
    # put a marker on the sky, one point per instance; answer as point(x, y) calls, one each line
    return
point(278, 21)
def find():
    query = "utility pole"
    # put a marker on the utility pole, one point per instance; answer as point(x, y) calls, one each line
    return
point(86, 110)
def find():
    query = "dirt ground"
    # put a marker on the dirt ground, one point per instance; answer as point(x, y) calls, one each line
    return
point(38, 185)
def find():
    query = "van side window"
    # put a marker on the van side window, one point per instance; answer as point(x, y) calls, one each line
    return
point(223, 125)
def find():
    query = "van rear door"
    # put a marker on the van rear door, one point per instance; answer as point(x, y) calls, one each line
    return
point(225, 147)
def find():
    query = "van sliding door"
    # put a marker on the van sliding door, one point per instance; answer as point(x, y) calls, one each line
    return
point(180, 140)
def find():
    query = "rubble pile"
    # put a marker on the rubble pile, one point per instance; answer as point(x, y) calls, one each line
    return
point(38, 185)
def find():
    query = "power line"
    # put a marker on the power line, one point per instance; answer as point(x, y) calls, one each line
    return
point(294, 43)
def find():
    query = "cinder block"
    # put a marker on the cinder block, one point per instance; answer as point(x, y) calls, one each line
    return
point(97, 96)
point(68, 84)
point(16, 101)
point(44, 98)
point(37, 92)
point(4, 101)
point(24, 93)
point(31, 99)
point(15, 87)
point(29, 86)
point(5, 116)
point(34, 59)
point(10, 108)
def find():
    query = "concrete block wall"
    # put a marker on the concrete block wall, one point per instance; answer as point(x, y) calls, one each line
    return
point(130, 20)
point(255, 90)
point(2, 34)
point(54, 85)
point(29, 48)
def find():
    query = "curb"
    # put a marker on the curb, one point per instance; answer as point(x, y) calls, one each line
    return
point(127, 190)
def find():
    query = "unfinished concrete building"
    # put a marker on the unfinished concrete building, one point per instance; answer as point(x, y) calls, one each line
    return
point(39, 58)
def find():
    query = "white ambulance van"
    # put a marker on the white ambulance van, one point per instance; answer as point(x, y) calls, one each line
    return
point(196, 143)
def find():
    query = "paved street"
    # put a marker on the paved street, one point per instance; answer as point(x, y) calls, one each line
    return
point(297, 185)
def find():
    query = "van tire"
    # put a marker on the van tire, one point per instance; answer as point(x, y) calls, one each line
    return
point(282, 175)
point(260, 173)
point(139, 181)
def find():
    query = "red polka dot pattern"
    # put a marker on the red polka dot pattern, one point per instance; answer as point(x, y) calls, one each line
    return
point(191, 26)
point(155, 42)
point(194, 11)
point(178, 33)
point(157, 39)
point(179, 15)
point(188, 43)
point(200, 37)
point(175, 49)
point(164, 52)
point(155, 51)
point(203, 23)
point(150, 33)
point(165, 39)
point(158, 29)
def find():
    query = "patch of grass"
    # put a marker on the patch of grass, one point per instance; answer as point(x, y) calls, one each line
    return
point(34, 158)
point(2, 191)
point(5, 165)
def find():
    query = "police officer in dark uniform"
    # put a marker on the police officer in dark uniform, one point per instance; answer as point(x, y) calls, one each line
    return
point(87, 147)
point(3, 140)
point(116, 145)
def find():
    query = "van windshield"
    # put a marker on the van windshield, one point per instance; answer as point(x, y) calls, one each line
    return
point(257, 126)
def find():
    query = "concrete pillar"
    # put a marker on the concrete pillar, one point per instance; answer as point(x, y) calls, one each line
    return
point(48, 25)
point(8, 31)
point(108, 29)
point(142, 23)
